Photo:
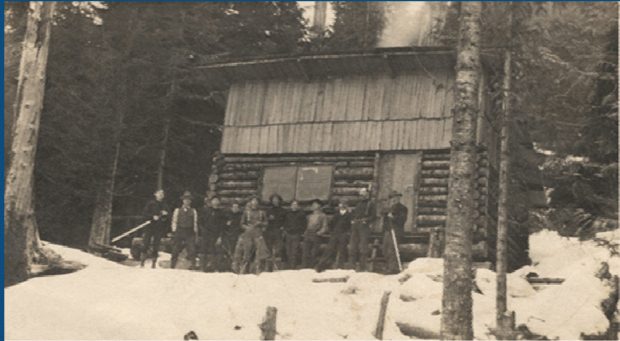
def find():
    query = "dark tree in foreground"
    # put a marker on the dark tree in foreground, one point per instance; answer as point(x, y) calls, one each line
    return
point(456, 317)
point(20, 235)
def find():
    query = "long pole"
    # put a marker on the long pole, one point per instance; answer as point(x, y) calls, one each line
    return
point(400, 265)
point(131, 231)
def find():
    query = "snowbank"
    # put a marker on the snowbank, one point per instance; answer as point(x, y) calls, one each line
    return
point(112, 301)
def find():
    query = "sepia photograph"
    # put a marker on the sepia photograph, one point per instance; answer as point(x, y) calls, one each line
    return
point(311, 170)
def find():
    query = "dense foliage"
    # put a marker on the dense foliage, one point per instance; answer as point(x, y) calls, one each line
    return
point(122, 75)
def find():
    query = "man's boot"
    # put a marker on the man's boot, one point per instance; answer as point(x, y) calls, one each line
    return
point(142, 259)
point(154, 265)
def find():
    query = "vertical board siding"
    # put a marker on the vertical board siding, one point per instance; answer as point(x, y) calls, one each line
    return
point(419, 94)
point(353, 113)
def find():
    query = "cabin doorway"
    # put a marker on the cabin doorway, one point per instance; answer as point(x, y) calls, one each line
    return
point(400, 172)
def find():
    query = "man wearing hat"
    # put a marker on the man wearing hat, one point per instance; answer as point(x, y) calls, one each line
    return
point(362, 217)
point(339, 228)
point(394, 218)
point(156, 211)
point(315, 227)
point(185, 229)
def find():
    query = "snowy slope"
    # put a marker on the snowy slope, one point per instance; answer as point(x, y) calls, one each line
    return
point(112, 301)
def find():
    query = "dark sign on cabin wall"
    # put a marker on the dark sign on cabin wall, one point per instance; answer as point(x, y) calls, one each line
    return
point(303, 183)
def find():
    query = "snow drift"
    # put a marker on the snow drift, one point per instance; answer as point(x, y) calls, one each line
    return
point(112, 301)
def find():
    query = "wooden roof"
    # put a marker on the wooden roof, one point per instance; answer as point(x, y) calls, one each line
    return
point(327, 65)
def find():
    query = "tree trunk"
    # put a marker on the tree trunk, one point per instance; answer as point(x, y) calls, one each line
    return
point(501, 265)
point(102, 216)
point(456, 319)
point(19, 219)
point(162, 156)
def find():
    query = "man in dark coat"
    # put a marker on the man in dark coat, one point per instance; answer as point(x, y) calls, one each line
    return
point(362, 217)
point(340, 228)
point(275, 224)
point(185, 228)
point(157, 211)
point(233, 228)
point(294, 226)
point(393, 219)
point(212, 222)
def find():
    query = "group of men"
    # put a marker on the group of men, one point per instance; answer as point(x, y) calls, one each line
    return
point(250, 240)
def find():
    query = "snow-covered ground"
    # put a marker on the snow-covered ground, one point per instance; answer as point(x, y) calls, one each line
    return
point(112, 301)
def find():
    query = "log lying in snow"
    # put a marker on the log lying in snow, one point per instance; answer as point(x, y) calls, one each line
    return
point(417, 332)
point(331, 280)
point(545, 280)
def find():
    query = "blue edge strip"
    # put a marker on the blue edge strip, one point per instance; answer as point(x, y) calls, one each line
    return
point(4, 169)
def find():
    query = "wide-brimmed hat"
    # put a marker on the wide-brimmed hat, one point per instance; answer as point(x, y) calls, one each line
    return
point(318, 201)
point(394, 194)
point(187, 195)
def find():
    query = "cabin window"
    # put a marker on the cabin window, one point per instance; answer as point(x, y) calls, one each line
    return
point(313, 182)
point(302, 183)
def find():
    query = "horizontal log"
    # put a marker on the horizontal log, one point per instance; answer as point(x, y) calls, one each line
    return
point(417, 332)
point(298, 158)
point(434, 182)
point(354, 173)
point(362, 163)
point(431, 210)
point(249, 175)
point(432, 203)
point(545, 280)
point(443, 156)
point(430, 224)
point(352, 183)
point(343, 279)
point(435, 173)
point(241, 167)
point(236, 192)
point(237, 184)
point(433, 190)
point(352, 191)
point(435, 164)
point(432, 218)
point(432, 197)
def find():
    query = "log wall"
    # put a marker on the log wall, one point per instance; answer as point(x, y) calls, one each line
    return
point(239, 177)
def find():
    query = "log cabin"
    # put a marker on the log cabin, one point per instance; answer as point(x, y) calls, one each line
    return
point(326, 125)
